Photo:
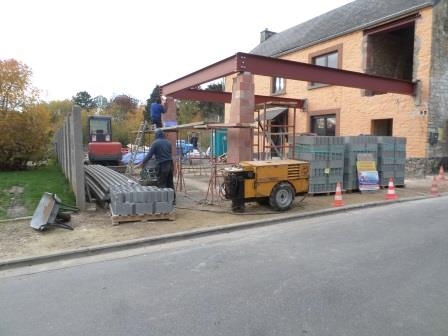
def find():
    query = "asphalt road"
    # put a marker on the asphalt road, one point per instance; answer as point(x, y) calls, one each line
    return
point(374, 271)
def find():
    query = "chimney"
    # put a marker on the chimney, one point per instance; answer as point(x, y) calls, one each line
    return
point(265, 34)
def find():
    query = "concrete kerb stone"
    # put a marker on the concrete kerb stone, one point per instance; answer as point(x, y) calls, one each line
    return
point(119, 246)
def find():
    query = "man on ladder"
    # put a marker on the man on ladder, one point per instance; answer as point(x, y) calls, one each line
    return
point(157, 109)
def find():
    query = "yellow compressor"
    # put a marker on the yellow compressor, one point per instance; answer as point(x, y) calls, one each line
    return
point(273, 182)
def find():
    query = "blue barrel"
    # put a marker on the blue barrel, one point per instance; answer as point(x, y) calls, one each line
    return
point(219, 142)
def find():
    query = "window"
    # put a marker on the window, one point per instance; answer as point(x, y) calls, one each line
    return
point(330, 58)
point(99, 126)
point(324, 125)
point(390, 49)
point(278, 85)
point(382, 127)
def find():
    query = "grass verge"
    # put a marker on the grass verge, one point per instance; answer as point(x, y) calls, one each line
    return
point(34, 181)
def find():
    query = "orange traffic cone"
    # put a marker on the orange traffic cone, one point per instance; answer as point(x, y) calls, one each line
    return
point(434, 187)
point(441, 176)
point(391, 195)
point(338, 196)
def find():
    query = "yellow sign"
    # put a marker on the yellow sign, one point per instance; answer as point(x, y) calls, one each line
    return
point(368, 179)
point(365, 165)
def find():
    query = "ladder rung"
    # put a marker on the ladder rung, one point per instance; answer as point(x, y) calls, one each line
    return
point(137, 145)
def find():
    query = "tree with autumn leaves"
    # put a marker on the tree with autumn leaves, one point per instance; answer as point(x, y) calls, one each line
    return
point(25, 125)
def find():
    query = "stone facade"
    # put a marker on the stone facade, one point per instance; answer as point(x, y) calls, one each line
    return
point(420, 167)
point(438, 99)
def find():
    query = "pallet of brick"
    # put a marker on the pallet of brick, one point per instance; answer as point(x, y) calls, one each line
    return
point(355, 145)
point(325, 155)
point(391, 160)
point(135, 203)
point(324, 176)
point(400, 161)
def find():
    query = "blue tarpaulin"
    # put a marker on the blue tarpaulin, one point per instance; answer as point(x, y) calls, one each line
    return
point(182, 147)
point(139, 156)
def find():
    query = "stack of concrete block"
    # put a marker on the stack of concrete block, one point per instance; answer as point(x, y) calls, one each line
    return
point(391, 160)
point(333, 159)
point(355, 145)
point(131, 199)
point(326, 157)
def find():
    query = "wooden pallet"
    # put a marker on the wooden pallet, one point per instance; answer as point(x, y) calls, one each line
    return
point(118, 219)
point(322, 193)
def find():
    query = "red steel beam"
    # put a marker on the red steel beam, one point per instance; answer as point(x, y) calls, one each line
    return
point(268, 66)
point(226, 97)
point(275, 67)
point(215, 71)
point(406, 21)
point(203, 95)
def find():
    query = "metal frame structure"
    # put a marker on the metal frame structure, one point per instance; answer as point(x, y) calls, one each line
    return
point(187, 87)
point(264, 135)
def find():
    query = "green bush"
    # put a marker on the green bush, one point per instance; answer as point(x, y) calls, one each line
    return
point(25, 137)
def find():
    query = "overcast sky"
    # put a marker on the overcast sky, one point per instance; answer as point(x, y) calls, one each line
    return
point(128, 47)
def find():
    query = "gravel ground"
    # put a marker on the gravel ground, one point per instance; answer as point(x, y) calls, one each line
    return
point(199, 205)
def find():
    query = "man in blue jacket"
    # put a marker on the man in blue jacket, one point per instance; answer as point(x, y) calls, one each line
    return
point(161, 149)
point(156, 112)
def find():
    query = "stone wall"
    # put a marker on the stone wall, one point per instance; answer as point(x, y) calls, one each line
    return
point(438, 100)
point(420, 167)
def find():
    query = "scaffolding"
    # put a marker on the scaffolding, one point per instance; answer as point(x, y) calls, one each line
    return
point(215, 161)
point(218, 160)
point(275, 135)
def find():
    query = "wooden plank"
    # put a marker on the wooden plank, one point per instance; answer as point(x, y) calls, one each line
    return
point(183, 126)
point(117, 219)
point(227, 125)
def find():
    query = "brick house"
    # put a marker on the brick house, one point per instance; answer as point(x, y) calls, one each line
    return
point(401, 39)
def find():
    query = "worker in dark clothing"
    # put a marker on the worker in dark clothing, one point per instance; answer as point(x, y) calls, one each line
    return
point(161, 149)
point(157, 109)
point(194, 140)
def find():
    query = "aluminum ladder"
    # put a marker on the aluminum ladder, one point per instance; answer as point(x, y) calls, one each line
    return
point(134, 150)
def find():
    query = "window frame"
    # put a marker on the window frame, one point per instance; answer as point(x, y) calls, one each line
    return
point(325, 113)
point(281, 90)
point(396, 25)
point(336, 49)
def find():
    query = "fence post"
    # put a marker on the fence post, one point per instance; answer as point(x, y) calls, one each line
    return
point(70, 154)
point(77, 158)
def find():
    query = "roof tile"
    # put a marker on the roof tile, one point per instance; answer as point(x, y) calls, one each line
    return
point(353, 16)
